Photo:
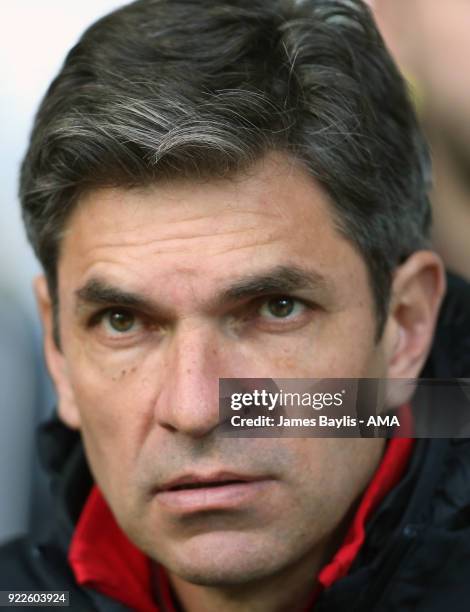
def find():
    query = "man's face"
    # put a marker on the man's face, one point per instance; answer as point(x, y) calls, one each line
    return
point(164, 290)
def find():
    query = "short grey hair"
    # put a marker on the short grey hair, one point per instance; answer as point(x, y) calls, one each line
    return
point(164, 89)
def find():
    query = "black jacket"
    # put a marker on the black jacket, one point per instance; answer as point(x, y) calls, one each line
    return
point(416, 556)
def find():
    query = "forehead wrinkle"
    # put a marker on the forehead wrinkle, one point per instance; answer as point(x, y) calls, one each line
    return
point(168, 239)
point(251, 238)
point(226, 209)
point(242, 247)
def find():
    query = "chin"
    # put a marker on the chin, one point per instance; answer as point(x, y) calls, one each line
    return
point(229, 559)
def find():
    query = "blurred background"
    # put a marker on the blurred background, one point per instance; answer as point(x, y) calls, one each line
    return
point(35, 37)
point(430, 39)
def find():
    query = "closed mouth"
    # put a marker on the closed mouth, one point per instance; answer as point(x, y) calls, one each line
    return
point(222, 490)
point(204, 485)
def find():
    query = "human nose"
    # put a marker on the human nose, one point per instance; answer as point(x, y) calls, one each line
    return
point(188, 402)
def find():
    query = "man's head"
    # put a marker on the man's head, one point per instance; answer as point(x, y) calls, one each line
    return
point(231, 189)
point(166, 89)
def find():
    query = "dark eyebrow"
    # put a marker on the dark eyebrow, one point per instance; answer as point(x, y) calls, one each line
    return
point(282, 279)
point(98, 291)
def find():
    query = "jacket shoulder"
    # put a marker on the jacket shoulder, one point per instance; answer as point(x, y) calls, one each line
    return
point(17, 567)
point(26, 565)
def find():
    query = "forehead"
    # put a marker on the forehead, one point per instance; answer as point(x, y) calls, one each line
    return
point(203, 231)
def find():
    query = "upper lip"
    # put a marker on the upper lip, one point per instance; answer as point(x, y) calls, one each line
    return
point(209, 479)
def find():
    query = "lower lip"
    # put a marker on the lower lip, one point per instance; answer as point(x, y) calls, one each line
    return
point(212, 498)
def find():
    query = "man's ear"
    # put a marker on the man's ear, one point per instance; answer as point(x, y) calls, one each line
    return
point(55, 360)
point(417, 290)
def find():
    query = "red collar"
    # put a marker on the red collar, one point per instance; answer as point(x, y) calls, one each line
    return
point(386, 477)
point(103, 559)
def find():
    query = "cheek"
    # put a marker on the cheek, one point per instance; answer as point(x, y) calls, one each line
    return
point(346, 348)
point(337, 468)
point(114, 400)
point(107, 381)
point(341, 345)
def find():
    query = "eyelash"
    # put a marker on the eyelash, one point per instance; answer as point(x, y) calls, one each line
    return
point(289, 323)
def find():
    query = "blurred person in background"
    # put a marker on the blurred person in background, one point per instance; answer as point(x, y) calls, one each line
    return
point(430, 39)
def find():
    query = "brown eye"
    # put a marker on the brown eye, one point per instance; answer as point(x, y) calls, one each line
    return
point(281, 308)
point(120, 321)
